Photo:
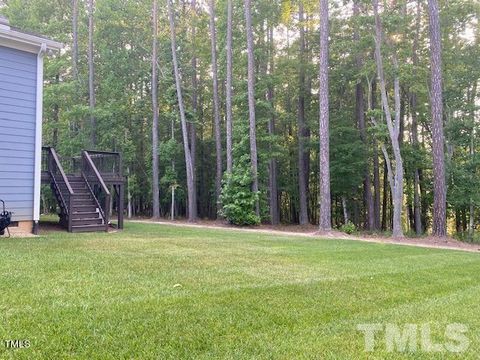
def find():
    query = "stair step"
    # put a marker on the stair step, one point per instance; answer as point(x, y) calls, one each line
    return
point(73, 185)
point(85, 215)
point(78, 186)
point(88, 228)
point(81, 191)
point(83, 201)
point(84, 208)
point(74, 177)
point(83, 196)
point(87, 221)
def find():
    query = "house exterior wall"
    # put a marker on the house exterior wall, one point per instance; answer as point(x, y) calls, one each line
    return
point(18, 87)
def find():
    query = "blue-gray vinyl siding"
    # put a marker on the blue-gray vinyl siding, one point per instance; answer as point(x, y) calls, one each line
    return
point(18, 84)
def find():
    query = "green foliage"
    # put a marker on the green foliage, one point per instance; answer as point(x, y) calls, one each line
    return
point(348, 228)
point(347, 163)
point(237, 198)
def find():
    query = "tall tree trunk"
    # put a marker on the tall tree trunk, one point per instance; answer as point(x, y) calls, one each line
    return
point(402, 121)
point(410, 214)
point(376, 187)
point(464, 219)
point(376, 163)
point(173, 186)
point(272, 165)
point(324, 132)
point(312, 195)
point(380, 210)
point(471, 99)
point(471, 221)
point(395, 171)
point(385, 199)
point(192, 127)
point(272, 180)
point(155, 170)
point(192, 206)
point(417, 202)
point(229, 86)
point(367, 191)
point(216, 106)
point(458, 222)
point(129, 196)
point(55, 117)
point(360, 115)
point(75, 39)
point(251, 101)
point(439, 185)
point(346, 219)
point(302, 154)
point(91, 77)
point(172, 205)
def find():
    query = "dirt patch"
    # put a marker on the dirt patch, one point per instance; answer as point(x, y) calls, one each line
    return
point(50, 226)
point(47, 227)
point(15, 233)
point(312, 231)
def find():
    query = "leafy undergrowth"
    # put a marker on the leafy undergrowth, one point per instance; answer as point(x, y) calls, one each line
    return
point(166, 292)
point(468, 238)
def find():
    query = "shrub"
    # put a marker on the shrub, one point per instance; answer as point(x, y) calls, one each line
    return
point(348, 228)
point(237, 198)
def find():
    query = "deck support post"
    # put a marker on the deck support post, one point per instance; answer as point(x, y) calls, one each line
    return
point(120, 205)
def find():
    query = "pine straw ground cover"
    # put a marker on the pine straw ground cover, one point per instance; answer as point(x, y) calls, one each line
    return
point(155, 292)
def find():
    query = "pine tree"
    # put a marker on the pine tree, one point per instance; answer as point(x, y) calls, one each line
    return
point(155, 170)
point(192, 206)
point(91, 75)
point(216, 105)
point(439, 185)
point(251, 101)
point(324, 132)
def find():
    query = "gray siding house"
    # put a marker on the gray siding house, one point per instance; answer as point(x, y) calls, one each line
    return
point(21, 93)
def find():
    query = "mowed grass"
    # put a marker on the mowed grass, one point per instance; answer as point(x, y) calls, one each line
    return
point(164, 292)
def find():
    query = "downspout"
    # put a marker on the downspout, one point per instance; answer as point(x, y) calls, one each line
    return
point(38, 139)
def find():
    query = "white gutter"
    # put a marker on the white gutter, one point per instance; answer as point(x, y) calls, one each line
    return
point(16, 38)
point(38, 136)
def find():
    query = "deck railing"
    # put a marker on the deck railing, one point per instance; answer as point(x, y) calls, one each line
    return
point(109, 164)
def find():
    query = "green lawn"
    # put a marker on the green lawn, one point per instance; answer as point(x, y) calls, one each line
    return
point(240, 295)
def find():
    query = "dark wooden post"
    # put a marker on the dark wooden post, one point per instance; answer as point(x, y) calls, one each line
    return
point(70, 212)
point(121, 192)
point(120, 205)
point(106, 211)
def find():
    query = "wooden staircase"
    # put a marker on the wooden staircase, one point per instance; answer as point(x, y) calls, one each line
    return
point(85, 213)
point(83, 197)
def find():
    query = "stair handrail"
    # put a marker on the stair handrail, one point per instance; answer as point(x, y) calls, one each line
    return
point(56, 162)
point(89, 164)
point(53, 166)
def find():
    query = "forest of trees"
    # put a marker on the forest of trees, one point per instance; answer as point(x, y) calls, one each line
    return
point(362, 113)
